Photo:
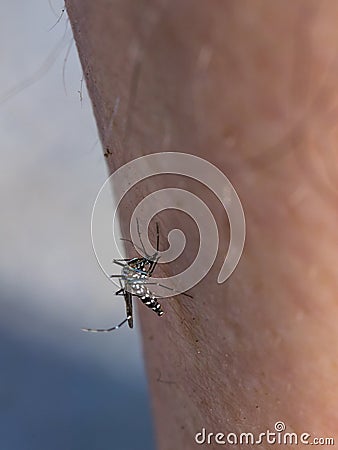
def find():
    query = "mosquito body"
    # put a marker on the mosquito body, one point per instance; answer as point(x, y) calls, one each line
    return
point(136, 275)
point(134, 280)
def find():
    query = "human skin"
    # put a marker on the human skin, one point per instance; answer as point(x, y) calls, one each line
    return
point(251, 86)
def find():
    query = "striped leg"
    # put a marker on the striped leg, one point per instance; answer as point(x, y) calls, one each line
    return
point(166, 287)
point(106, 330)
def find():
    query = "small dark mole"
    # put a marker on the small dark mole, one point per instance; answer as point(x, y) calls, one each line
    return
point(193, 318)
point(197, 340)
point(257, 406)
point(244, 418)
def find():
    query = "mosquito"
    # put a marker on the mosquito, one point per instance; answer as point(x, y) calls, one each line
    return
point(134, 280)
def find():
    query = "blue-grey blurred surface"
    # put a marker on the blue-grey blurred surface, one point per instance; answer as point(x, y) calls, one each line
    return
point(60, 388)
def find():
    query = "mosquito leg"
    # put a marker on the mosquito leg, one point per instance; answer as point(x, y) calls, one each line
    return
point(139, 235)
point(167, 287)
point(187, 295)
point(117, 261)
point(155, 257)
point(153, 268)
point(106, 330)
point(122, 290)
point(157, 237)
point(124, 259)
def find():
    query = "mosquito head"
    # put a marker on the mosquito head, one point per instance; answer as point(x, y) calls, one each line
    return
point(149, 261)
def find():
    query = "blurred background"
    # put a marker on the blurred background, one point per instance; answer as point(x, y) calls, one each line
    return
point(60, 388)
